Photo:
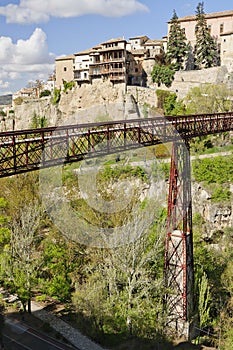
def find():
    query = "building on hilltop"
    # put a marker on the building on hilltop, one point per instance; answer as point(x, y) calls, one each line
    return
point(130, 62)
point(115, 60)
point(220, 25)
point(64, 69)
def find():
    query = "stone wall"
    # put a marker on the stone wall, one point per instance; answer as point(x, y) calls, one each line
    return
point(186, 80)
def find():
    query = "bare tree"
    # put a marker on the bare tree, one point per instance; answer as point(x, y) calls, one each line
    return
point(126, 281)
point(25, 257)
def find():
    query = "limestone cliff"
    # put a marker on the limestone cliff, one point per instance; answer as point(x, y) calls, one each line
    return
point(89, 103)
point(216, 216)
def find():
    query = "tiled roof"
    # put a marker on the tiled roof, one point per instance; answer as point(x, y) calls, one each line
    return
point(63, 58)
point(113, 41)
point(153, 42)
point(207, 16)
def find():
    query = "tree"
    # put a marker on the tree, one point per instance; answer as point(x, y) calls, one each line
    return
point(163, 74)
point(22, 256)
point(209, 98)
point(204, 301)
point(177, 48)
point(206, 52)
point(122, 290)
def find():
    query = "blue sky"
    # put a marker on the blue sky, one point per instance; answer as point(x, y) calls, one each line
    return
point(34, 32)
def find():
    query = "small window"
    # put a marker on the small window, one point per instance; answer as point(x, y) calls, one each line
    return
point(65, 69)
point(209, 28)
point(183, 30)
point(221, 28)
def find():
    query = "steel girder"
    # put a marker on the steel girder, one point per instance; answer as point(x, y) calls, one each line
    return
point(28, 150)
point(179, 275)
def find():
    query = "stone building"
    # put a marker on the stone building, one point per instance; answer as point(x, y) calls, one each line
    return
point(130, 62)
point(64, 69)
point(220, 25)
point(115, 60)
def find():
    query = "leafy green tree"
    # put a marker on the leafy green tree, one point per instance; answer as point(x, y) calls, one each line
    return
point(177, 48)
point(209, 98)
point(22, 256)
point(206, 52)
point(163, 74)
point(57, 266)
point(172, 106)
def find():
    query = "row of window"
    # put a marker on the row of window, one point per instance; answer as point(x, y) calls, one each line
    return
point(221, 28)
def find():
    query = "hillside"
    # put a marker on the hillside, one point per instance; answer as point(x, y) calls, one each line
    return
point(6, 100)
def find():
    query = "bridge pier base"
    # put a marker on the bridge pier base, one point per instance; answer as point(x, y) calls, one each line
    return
point(179, 274)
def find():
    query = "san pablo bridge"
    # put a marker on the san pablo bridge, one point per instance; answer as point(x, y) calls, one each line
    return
point(27, 150)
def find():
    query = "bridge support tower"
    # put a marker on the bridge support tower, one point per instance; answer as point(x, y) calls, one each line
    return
point(179, 274)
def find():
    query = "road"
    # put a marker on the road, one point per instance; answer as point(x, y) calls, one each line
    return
point(19, 336)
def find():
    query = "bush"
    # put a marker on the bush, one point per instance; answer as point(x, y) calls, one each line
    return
point(18, 100)
point(68, 85)
point(56, 96)
point(45, 93)
point(162, 74)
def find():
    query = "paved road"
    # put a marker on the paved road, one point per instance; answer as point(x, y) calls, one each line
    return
point(18, 336)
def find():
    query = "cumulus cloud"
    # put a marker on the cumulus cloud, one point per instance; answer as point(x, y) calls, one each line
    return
point(25, 59)
point(38, 11)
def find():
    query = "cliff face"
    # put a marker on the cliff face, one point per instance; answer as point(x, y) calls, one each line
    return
point(216, 216)
point(89, 103)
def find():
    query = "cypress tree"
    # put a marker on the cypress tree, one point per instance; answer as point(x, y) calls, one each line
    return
point(176, 47)
point(206, 52)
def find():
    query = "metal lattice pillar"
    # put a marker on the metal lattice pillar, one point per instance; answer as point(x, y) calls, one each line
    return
point(179, 276)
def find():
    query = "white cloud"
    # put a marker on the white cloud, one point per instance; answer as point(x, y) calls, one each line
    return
point(24, 60)
point(38, 11)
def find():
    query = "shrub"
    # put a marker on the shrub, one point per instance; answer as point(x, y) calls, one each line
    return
point(45, 93)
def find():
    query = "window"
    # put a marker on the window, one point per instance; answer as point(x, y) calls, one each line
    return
point(65, 69)
point(183, 30)
point(209, 28)
point(221, 28)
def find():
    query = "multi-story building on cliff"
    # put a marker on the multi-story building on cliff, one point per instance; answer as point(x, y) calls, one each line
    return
point(130, 62)
point(115, 60)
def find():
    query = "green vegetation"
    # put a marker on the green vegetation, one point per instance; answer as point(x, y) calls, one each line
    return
point(214, 170)
point(45, 93)
point(177, 48)
point(114, 295)
point(167, 101)
point(38, 122)
point(209, 98)
point(206, 52)
point(163, 74)
point(56, 96)
point(68, 85)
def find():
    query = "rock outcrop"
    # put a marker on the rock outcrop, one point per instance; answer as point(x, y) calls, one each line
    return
point(216, 216)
